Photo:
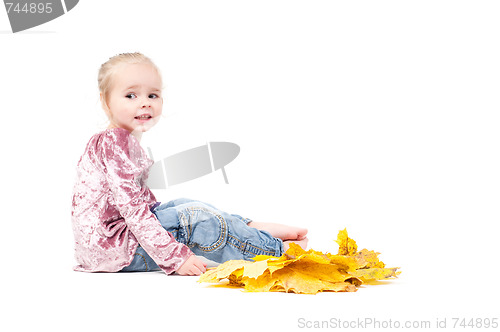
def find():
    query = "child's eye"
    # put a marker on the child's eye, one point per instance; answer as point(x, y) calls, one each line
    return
point(131, 96)
point(153, 96)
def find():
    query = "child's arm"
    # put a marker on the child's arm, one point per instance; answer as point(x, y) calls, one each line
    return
point(124, 162)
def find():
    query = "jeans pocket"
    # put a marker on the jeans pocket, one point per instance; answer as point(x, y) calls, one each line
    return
point(202, 227)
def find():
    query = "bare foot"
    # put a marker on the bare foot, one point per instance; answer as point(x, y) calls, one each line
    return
point(301, 243)
point(280, 231)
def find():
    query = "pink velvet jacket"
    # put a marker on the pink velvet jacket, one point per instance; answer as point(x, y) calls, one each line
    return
point(111, 208)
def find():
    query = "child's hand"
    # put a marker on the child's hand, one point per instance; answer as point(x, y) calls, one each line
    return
point(193, 266)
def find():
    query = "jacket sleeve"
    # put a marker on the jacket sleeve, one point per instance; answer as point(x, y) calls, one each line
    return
point(124, 163)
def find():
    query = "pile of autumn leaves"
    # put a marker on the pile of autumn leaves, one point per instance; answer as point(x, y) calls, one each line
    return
point(305, 272)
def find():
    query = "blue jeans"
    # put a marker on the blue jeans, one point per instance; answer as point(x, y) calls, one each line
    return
point(208, 232)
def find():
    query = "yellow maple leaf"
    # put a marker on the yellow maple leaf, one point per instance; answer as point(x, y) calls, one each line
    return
point(368, 259)
point(305, 272)
point(296, 280)
point(295, 250)
point(348, 263)
point(236, 278)
point(347, 246)
point(297, 271)
point(369, 266)
point(254, 270)
point(371, 274)
point(264, 283)
point(223, 270)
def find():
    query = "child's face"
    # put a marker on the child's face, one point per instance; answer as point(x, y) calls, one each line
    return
point(135, 102)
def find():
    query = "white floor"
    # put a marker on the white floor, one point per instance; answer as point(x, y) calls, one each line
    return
point(77, 301)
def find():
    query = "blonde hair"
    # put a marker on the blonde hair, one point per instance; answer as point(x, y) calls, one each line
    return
point(105, 75)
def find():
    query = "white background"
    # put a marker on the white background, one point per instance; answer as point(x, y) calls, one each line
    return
point(378, 116)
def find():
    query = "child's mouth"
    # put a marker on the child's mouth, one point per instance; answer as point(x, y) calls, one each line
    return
point(143, 117)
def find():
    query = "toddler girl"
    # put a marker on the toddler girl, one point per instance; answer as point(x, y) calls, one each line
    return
point(118, 224)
